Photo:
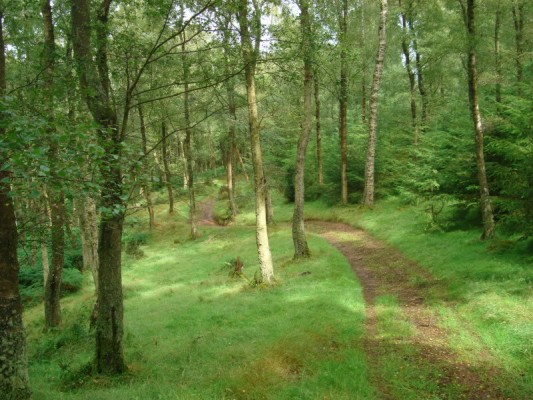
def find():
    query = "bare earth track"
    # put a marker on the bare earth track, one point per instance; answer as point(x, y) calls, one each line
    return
point(382, 271)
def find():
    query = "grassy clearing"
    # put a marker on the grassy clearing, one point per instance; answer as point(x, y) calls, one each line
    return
point(194, 333)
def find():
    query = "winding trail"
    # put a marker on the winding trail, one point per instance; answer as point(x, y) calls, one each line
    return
point(384, 271)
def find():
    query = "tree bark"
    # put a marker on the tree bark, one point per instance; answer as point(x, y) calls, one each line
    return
point(188, 140)
point(88, 218)
point(301, 248)
point(95, 85)
point(319, 166)
point(52, 290)
point(168, 175)
point(14, 382)
point(232, 115)
point(486, 207)
point(147, 187)
point(250, 60)
point(518, 19)
point(410, 72)
point(343, 100)
point(368, 195)
point(243, 168)
point(498, 56)
point(419, 76)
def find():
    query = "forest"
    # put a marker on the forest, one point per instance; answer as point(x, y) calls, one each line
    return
point(266, 199)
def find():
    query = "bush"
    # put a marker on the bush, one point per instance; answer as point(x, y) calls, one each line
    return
point(73, 259)
point(222, 213)
point(133, 242)
point(72, 281)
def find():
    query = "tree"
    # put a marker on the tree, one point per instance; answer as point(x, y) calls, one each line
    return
point(168, 175)
point(188, 139)
point(301, 249)
point(250, 54)
point(368, 195)
point(486, 206)
point(93, 74)
point(14, 383)
point(410, 73)
point(342, 12)
point(52, 309)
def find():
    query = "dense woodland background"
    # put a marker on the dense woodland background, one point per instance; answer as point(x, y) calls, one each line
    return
point(111, 108)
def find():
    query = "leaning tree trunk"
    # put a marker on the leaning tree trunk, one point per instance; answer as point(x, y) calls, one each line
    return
point(52, 289)
point(94, 81)
point(188, 140)
point(250, 61)
point(14, 383)
point(343, 101)
point(168, 175)
point(486, 207)
point(368, 195)
point(301, 248)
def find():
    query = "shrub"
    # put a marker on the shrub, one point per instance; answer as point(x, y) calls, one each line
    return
point(133, 241)
point(72, 281)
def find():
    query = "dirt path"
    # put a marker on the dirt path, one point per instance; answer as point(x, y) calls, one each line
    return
point(382, 271)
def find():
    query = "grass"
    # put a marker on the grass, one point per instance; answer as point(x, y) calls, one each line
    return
point(192, 332)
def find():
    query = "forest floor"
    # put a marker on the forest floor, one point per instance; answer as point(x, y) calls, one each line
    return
point(379, 311)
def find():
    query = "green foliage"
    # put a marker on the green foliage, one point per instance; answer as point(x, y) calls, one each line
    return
point(133, 241)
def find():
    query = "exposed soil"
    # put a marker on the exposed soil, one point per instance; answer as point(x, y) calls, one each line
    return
point(382, 270)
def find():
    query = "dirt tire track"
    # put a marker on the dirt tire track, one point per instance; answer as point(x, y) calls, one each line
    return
point(382, 270)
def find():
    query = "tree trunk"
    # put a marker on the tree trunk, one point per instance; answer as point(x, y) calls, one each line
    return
point(168, 175)
point(363, 70)
point(88, 218)
point(343, 100)
point(147, 181)
point(486, 207)
point(188, 139)
point(419, 77)
point(243, 168)
point(52, 289)
point(52, 292)
point(368, 195)
point(410, 73)
point(232, 114)
point(518, 19)
point(268, 203)
point(498, 56)
point(319, 166)
point(14, 382)
point(250, 61)
point(95, 85)
point(183, 159)
point(301, 248)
